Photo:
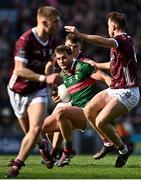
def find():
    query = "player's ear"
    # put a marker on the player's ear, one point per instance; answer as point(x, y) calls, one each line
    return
point(45, 22)
point(114, 27)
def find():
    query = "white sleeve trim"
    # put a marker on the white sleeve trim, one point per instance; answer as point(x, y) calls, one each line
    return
point(17, 58)
point(116, 42)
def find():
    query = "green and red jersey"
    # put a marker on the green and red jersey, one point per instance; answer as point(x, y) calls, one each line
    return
point(79, 84)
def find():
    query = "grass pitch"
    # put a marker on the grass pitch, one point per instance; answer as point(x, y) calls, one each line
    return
point(81, 167)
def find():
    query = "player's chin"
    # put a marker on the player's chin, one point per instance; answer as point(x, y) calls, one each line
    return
point(63, 67)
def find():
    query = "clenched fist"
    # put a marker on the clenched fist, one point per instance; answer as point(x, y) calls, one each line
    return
point(53, 79)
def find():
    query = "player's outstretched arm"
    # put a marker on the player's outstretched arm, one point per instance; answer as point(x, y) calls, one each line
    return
point(104, 66)
point(95, 39)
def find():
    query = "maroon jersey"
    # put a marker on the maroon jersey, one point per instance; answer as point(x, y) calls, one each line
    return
point(35, 53)
point(82, 56)
point(123, 63)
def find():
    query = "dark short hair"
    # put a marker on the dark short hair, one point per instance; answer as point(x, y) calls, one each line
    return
point(48, 12)
point(63, 49)
point(118, 18)
point(73, 38)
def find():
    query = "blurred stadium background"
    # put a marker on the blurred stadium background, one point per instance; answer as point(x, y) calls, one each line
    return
point(17, 16)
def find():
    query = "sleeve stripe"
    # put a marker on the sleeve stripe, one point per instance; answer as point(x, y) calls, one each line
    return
point(115, 42)
point(17, 58)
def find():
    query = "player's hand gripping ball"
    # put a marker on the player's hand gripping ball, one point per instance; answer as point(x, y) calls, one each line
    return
point(63, 93)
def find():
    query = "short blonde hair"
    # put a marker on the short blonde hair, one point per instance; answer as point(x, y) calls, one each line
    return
point(48, 12)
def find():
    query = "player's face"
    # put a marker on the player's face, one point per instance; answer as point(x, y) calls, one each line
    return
point(111, 28)
point(75, 47)
point(63, 60)
point(52, 25)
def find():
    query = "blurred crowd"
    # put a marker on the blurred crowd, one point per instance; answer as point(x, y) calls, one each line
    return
point(88, 16)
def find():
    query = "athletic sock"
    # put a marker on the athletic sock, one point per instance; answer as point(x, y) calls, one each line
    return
point(54, 151)
point(42, 145)
point(68, 146)
point(107, 142)
point(17, 164)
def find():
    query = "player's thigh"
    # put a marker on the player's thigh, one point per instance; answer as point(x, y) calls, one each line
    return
point(50, 124)
point(37, 113)
point(97, 103)
point(75, 115)
point(37, 107)
point(111, 111)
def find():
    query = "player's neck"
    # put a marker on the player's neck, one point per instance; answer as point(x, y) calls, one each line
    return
point(70, 64)
point(41, 34)
point(75, 56)
point(119, 32)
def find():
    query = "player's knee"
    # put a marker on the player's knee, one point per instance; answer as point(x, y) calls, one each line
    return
point(99, 124)
point(26, 130)
point(60, 114)
point(36, 130)
point(88, 113)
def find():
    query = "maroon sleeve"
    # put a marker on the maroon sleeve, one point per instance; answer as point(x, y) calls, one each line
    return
point(22, 47)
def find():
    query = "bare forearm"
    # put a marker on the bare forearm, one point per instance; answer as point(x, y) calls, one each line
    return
point(49, 68)
point(101, 76)
point(27, 74)
point(97, 40)
point(103, 66)
point(105, 77)
point(22, 71)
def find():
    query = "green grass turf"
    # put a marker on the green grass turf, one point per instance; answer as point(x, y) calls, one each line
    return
point(81, 167)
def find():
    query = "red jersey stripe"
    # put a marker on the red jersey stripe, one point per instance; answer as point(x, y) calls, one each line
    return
point(79, 86)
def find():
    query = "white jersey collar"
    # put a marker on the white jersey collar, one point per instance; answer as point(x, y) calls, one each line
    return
point(37, 37)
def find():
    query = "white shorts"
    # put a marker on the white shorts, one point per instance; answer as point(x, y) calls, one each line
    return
point(20, 103)
point(128, 97)
point(61, 104)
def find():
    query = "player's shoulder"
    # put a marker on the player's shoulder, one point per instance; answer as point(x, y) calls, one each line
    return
point(25, 39)
point(123, 37)
point(81, 62)
point(26, 36)
point(78, 62)
point(123, 40)
point(82, 56)
point(81, 65)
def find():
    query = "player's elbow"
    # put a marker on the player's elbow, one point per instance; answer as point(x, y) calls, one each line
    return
point(98, 76)
point(18, 71)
